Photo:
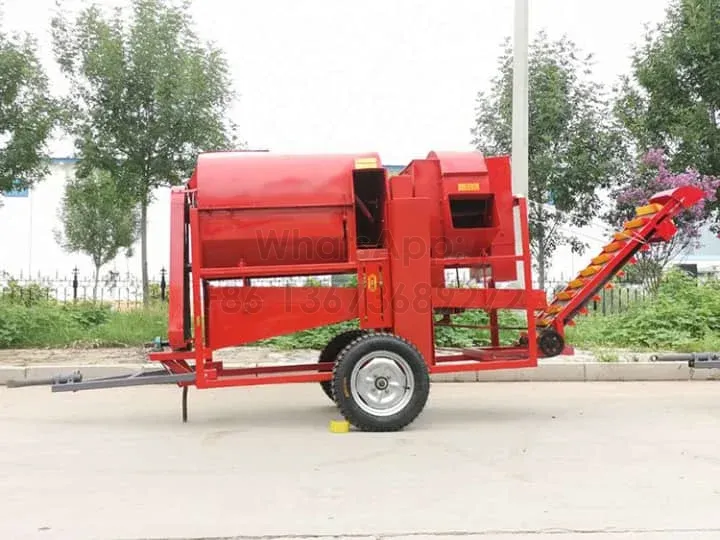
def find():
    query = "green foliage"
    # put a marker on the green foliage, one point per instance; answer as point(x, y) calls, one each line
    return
point(132, 328)
point(446, 336)
point(147, 97)
point(315, 338)
point(88, 314)
point(575, 148)
point(156, 293)
point(97, 219)
point(653, 176)
point(29, 295)
point(27, 113)
point(684, 315)
point(85, 324)
point(672, 98)
point(607, 357)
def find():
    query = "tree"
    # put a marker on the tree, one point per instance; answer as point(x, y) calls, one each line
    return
point(27, 113)
point(575, 147)
point(97, 220)
point(147, 95)
point(671, 100)
point(654, 175)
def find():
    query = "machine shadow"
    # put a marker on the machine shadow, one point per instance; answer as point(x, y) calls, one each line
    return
point(317, 418)
point(313, 418)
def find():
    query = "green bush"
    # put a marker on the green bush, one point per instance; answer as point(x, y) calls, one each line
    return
point(55, 324)
point(684, 315)
point(36, 326)
point(472, 337)
point(88, 314)
point(29, 295)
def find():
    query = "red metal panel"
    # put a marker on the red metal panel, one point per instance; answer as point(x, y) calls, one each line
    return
point(260, 209)
point(489, 298)
point(504, 242)
point(238, 315)
point(263, 180)
point(527, 277)
point(459, 163)
point(254, 380)
point(520, 362)
point(261, 237)
point(464, 176)
point(375, 310)
point(177, 274)
point(685, 196)
point(401, 186)
point(409, 239)
point(276, 271)
point(197, 301)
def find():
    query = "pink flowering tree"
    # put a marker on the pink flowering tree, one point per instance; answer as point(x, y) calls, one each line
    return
point(653, 176)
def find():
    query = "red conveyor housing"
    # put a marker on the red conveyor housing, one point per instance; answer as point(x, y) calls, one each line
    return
point(652, 223)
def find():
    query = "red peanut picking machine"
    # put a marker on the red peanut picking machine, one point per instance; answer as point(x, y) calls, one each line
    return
point(244, 217)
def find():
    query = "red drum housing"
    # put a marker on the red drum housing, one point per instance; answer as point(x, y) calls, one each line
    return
point(267, 210)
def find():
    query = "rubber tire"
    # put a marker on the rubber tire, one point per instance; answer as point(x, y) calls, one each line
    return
point(347, 360)
point(331, 352)
point(551, 343)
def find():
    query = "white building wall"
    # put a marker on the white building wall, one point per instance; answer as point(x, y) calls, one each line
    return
point(28, 225)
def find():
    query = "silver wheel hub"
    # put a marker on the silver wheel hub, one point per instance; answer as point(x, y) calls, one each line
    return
point(382, 383)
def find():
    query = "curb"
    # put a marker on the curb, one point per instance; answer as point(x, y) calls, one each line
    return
point(550, 372)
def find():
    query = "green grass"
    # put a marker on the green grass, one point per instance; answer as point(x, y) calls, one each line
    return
point(48, 324)
point(683, 317)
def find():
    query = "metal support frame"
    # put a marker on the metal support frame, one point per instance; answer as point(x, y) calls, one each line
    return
point(136, 379)
point(75, 383)
point(705, 360)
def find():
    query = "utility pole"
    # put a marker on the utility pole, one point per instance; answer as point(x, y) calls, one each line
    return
point(519, 156)
point(520, 100)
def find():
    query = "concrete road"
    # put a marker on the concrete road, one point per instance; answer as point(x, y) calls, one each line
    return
point(502, 460)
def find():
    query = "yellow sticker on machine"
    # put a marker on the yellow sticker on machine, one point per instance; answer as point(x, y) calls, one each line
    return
point(372, 282)
point(470, 186)
point(366, 163)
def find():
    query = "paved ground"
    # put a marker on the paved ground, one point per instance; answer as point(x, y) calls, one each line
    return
point(501, 460)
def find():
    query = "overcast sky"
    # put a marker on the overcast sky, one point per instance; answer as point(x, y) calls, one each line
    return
point(397, 77)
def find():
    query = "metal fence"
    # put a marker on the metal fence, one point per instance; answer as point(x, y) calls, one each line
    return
point(112, 287)
point(125, 290)
point(611, 301)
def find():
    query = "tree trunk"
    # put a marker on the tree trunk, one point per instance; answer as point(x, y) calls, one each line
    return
point(143, 249)
point(542, 260)
point(97, 279)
